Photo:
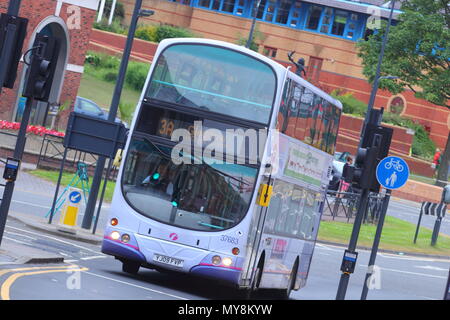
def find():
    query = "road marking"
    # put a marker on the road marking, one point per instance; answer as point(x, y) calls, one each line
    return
point(18, 241)
point(56, 239)
point(94, 257)
point(5, 271)
point(19, 234)
point(414, 273)
point(136, 286)
point(4, 291)
point(31, 204)
point(431, 268)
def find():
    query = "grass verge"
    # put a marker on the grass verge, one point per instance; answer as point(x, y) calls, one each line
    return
point(52, 176)
point(397, 236)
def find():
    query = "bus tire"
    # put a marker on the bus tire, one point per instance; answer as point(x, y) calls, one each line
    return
point(131, 267)
point(283, 294)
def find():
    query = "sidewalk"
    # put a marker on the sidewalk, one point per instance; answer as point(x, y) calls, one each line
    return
point(16, 253)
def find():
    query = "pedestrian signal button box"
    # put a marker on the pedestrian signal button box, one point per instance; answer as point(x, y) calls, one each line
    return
point(349, 261)
point(11, 169)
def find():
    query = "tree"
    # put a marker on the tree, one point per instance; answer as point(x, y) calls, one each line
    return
point(418, 53)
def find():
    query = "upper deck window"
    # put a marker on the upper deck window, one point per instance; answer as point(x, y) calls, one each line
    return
point(214, 79)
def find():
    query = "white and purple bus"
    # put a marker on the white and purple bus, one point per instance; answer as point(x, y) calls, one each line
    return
point(187, 205)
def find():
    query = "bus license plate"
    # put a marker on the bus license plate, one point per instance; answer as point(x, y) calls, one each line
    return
point(168, 260)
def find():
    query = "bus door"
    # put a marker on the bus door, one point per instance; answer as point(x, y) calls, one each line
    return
point(257, 225)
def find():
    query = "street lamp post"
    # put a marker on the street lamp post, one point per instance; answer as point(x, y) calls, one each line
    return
point(93, 194)
point(252, 28)
point(373, 94)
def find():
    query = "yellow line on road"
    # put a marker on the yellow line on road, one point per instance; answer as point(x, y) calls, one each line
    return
point(4, 291)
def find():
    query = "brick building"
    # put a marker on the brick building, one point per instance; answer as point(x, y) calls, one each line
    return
point(71, 21)
point(324, 32)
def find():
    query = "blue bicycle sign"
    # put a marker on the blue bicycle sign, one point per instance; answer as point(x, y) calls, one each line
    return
point(394, 164)
point(392, 172)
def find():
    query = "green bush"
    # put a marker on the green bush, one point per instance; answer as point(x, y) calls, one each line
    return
point(136, 75)
point(110, 76)
point(147, 33)
point(422, 146)
point(350, 105)
point(116, 26)
point(126, 111)
point(166, 32)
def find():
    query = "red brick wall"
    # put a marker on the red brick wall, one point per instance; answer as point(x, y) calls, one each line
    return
point(36, 11)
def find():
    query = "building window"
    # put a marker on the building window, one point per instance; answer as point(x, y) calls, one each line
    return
point(283, 11)
point(270, 52)
point(228, 6)
point(339, 23)
point(204, 3)
point(313, 17)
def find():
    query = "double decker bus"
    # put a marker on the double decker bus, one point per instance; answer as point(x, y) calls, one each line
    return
point(191, 194)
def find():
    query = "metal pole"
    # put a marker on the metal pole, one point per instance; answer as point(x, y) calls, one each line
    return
point(418, 222)
point(102, 195)
point(345, 277)
point(252, 28)
point(18, 152)
point(376, 242)
point(437, 226)
point(377, 74)
point(90, 207)
point(63, 162)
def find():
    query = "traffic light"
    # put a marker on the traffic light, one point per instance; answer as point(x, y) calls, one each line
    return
point(365, 165)
point(19, 26)
point(42, 67)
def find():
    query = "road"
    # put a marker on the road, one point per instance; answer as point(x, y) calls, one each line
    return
point(88, 274)
point(100, 276)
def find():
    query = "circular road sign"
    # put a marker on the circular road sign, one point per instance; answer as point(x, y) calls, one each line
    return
point(392, 172)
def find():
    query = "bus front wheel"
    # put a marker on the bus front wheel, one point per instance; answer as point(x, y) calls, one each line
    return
point(131, 267)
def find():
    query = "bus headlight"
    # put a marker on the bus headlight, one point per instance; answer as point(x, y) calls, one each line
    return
point(216, 260)
point(115, 235)
point(227, 261)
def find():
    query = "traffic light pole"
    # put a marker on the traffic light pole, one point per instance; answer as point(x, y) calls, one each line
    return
point(345, 277)
point(376, 243)
point(93, 194)
point(13, 9)
point(18, 153)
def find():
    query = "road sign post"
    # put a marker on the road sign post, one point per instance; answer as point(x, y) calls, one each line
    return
point(392, 173)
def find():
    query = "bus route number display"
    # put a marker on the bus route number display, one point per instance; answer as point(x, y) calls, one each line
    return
point(167, 126)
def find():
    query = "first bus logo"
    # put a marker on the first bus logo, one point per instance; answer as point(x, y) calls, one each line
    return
point(173, 236)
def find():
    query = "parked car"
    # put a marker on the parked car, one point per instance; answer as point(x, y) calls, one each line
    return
point(90, 108)
point(337, 169)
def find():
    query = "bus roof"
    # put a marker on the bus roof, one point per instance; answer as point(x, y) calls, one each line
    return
point(278, 68)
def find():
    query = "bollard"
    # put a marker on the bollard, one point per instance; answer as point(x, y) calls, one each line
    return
point(69, 214)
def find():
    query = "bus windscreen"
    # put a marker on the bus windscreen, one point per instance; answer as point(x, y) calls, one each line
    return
point(214, 79)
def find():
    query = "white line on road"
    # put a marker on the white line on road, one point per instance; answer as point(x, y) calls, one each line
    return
point(414, 273)
point(56, 239)
point(31, 204)
point(18, 241)
point(136, 286)
point(21, 235)
point(94, 257)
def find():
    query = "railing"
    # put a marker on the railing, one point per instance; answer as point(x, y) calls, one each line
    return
point(345, 205)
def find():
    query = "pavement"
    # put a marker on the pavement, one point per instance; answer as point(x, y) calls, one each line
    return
point(16, 253)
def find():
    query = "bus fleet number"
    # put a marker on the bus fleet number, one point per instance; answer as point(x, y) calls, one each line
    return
point(229, 239)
